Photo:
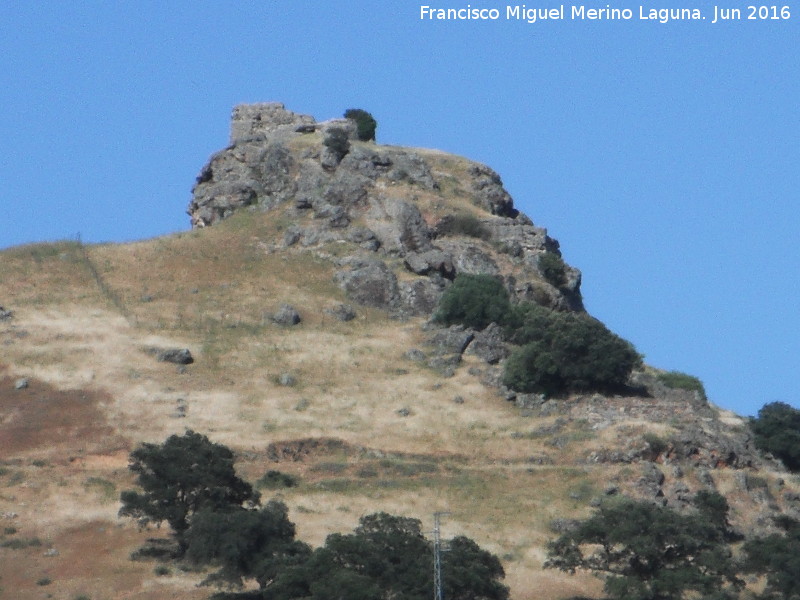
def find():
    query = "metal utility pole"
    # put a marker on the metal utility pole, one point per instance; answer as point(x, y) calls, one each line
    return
point(438, 593)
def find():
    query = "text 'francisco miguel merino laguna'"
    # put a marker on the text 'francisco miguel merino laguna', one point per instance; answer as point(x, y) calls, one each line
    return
point(521, 12)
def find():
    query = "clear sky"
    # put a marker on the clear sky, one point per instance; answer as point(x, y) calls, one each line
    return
point(663, 156)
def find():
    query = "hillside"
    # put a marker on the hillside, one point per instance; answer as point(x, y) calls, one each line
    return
point(370, 404)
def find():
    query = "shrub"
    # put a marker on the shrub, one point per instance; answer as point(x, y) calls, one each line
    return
point(777, 431)
point(566, 352)
point(682, 381)
point(337, 141)
point(44, 581)
point(553, 268)
point(464, 224)
point(364, 121)
point(273, 480)
point(473, 301)
point(161, 570)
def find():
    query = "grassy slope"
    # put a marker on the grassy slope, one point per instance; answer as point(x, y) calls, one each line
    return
point(83, 319)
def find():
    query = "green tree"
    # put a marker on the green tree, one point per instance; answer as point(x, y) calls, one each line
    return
point(180, 477)
point(649, 552)
point(473, 301)
point(565, 352)
point(777, 431)
point(365, 122)
point(778, 557)
point(388, 557)
point(553, 268)
point(245, 544)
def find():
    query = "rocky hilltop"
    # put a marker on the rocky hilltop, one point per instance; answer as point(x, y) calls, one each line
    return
point(436, 214)
point(292, 324)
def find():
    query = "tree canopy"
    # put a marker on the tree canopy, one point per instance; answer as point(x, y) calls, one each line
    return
point(245, 544)
point(180, 477)
point(649, 552)
point(778, 557)
point(777, 431)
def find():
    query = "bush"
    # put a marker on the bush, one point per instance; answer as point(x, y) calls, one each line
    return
point(566, 352)
point(473, 301)
point(161, 570)
point(464, 224)
point(274, 480)
point(777, 431)
point(364, 121)
point(682, 381)
point(553, 268)
point(337, 141)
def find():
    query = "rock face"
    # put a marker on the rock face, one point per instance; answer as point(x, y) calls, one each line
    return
point(386, 201)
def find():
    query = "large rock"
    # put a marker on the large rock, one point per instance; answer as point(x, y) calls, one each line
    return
point(489, 344)
point(371, 283)
point(384, 199)
point(491, 195)
point(286, 315)
point(431, 261)
point(399, 226)
point(242, 175)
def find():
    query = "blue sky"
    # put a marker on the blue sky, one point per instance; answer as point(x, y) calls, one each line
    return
point(663, 156)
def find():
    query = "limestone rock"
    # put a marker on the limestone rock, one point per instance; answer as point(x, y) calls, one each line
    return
point(489, 344)
point(341, 312)
point(492, 195)
point(431, 261)
point(420, 297)
point(286, 315)
point(178, 356)
point(371, 283)
point(451, 340)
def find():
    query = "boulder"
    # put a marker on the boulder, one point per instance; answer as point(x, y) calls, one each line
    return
point(5, 315)
point(370, 283)
point(491, 194)
point(489, 344)
point(431, 261)
point(341, 312)
point(452, 340)
point(178, 356)
point(286, 315)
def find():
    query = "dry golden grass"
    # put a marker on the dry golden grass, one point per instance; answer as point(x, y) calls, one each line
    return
point(83, 318)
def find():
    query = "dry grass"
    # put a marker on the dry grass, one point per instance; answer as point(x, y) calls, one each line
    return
point(82, 319)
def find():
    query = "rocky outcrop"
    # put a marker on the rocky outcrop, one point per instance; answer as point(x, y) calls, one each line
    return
point(385, 200)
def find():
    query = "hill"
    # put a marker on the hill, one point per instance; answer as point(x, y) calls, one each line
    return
point(304, 294)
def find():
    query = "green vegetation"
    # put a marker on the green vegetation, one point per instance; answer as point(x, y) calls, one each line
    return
point(104, 488)
point(388, 557)
point(565, 352)
point(337, 141)
point(464, 224)
point(385, 557)
point(365, 122)
point(559, 352)
point(777, 431)
point(553, 268)
point(649, 552)
point(683, 381)
point(180, 477)
point(473, 301)
point(778, 557)
point(275, 480)
point(245, 544)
